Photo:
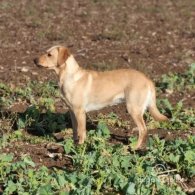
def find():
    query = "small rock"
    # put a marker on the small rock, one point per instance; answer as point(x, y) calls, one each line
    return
point(51, 147)
point(169, 91)
point(34, 73)
point(24, 69)
point(58, 136)
point(55, 155)
point(178, 177)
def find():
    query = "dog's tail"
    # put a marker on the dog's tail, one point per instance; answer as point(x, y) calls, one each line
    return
point(153, 108)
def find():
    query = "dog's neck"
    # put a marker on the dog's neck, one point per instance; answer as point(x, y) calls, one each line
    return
point(69, 68)
point(71, 65)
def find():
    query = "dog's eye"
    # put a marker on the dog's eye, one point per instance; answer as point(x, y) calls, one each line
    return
point(49, 55)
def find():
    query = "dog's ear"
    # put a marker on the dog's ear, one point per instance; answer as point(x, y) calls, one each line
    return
point(63, 54)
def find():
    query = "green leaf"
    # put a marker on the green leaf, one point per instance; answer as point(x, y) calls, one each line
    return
point(130, 189)
point(190, 156)
point(103, 129)
point(68, 146)
point(64, 193)
point(45, 190)
point(21, 123)
point(28, 161)
point(61, 180)
point(11, 187)
point(174, 158)
point(6, 157)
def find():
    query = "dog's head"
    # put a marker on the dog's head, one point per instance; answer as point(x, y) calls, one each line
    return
point(54, 57)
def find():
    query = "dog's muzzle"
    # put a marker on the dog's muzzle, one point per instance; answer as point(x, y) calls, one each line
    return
point(36, 61)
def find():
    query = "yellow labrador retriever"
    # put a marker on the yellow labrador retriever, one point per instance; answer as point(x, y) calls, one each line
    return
point(87, 90)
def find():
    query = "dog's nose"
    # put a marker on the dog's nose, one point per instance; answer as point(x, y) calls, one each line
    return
point(36, 60)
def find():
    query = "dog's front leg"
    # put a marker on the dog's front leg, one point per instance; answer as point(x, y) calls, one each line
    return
point(74, 126)
point(80, 125)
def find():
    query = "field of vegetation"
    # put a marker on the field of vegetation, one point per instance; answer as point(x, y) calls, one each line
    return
point(37, 153)
point(99, 166)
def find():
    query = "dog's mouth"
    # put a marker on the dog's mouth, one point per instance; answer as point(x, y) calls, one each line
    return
point(39, 66)
point(36, 62)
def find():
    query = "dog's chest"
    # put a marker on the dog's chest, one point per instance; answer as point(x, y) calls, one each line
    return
point(66, 93)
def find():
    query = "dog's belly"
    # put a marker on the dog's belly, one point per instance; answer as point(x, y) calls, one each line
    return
point(119, 98)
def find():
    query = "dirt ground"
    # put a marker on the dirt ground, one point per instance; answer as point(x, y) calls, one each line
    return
point(154, 37)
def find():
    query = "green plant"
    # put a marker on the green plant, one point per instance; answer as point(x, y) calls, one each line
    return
point(42, 94)
point(112, 120)
point(180, 118)
point(98, 166)
point(178, 81)
point(101, 167)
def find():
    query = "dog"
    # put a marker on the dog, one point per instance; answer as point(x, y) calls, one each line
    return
point(87, 90)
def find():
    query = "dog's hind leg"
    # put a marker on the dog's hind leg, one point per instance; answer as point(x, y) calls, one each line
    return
point(139, 121)
point(137, 103)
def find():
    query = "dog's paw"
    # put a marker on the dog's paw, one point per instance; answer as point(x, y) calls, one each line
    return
point(140, 150)
point(76, 141)
point(81, 142)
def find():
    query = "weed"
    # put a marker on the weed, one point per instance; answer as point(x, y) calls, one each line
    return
point(179, 81)
point(181, 118)
point(99, 166)
point(7, 122)
point(113, 120)
point(43, 123)
point(29, 94)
